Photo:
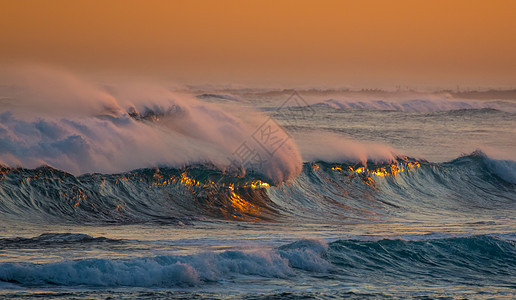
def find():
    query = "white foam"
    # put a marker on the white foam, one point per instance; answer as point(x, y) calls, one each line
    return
point(172, 270)
point(331, 147)
point(431, 104)
point(58, 119)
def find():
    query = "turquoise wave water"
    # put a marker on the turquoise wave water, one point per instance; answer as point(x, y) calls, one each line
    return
point(475, 260)
point(343, 191)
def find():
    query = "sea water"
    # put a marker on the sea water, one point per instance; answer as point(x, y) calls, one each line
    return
point(403, 197)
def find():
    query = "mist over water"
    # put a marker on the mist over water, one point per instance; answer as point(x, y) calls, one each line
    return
point(54, 118)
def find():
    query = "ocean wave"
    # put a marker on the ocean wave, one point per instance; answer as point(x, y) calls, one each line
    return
point(78, 126)
point(463, 259)
point(323, 191)
point(165, 195)
point(505, 169)
point(419, 105)
point(53, 240)
point(226, 97)
point(165, 270)
point(456, 259)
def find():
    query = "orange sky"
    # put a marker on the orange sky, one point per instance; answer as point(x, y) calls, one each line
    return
point(358, 43)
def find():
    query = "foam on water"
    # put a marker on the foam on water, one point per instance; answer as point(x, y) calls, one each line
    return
point(455, 259)
point(166, 271)
point(58, 119)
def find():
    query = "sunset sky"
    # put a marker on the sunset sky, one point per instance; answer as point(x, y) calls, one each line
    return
point(263, 43)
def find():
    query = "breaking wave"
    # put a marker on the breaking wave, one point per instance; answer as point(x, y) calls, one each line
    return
point(458, 260)
point(323, 191)
point(420, 105)
point(49, 117)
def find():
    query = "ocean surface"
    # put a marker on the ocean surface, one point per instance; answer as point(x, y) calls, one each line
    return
point(258, 195)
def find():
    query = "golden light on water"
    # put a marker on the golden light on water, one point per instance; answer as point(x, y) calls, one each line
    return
point(392, 169)
point(258, 184)
point(233, 198)
point(357, 170)
point(187, 181)
point(247, 211)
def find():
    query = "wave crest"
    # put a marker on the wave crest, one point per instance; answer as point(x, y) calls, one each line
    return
point(456, 259)
point(323, 191)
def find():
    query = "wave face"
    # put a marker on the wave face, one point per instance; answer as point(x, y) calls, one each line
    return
point(338, 191)
point(476, 259)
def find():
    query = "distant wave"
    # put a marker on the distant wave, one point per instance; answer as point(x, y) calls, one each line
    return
point(419, 105)
point(219, 96)
point(46, 240)
point(323, 191)
point(475, 258)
